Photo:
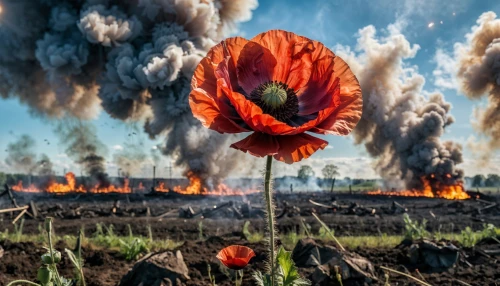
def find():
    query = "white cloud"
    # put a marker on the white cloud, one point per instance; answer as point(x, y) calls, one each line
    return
point(445, 71)
point(117, 147)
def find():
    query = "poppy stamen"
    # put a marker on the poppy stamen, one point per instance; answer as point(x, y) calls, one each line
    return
point(276, 99)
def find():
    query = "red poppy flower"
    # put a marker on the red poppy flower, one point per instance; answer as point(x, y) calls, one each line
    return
point(278, 85)
point(235, 257)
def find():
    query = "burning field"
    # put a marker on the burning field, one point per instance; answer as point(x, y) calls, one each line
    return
point(431, 189)
point(201, 225)
point(194, 187)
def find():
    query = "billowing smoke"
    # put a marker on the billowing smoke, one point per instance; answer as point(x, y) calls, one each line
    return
point(131, 158)
point(479, 74)
point(82, 145)
point(21, 156)
point(134, 59)
point(401, 124)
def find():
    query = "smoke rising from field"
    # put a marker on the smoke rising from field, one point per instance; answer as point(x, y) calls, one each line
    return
point(21, 156)
point(134, 59)
point(478, 62)
point(132, 158)
point(82, 145)
point(401, 124)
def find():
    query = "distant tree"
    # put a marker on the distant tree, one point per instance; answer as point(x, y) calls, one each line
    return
point(478, 180)
point(347, 180)
point(305, 172)
point(493, 180)
point(358, 181)
point(329, 173)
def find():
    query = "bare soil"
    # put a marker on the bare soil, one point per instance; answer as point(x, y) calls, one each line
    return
point(106, 267)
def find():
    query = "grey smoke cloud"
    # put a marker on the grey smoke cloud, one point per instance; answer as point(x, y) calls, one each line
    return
point(478, 61)
point(108, 26)
point(133, 59)
point(21, 156)
point(401, 124)
point(82, 145)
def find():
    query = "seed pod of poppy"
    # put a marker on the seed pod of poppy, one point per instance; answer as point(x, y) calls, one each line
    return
point(48, 224)
point(47, 258)
point(44, 275)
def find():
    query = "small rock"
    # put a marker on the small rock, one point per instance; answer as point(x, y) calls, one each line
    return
point(164, 268)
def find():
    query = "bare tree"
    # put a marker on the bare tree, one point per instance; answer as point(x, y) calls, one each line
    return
point(329, 173)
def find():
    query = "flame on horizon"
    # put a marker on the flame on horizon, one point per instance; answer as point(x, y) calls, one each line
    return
point(451, 192)
point(196, 187)
point(71, 187)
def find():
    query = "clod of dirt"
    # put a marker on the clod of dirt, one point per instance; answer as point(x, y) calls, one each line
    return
point(307, 253)
point(164, 268)
point(432, 257)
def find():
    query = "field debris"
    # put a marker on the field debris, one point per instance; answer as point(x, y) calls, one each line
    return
point(430, 256)
point(324, 259)
point(164, 268)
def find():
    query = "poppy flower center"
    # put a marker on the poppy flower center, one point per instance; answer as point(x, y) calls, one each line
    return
point(276, 99)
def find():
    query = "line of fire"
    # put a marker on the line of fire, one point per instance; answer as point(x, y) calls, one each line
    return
point(447, 188)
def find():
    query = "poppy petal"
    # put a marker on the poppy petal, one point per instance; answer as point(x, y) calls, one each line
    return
point(288, 148)
point(204, 74)
point(255, 66)
point(349, 104)
point(293, 56)
point(235, 257)
point(206, 110)
point(316, 94)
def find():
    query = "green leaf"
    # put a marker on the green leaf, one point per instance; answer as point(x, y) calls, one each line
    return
point(288, 274)
point(261, 279)
point(72, 257)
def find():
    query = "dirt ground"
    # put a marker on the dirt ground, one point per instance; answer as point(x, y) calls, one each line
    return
point(441, 214)
point(105, 267)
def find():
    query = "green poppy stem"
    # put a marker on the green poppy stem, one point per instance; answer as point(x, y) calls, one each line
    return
point(270, 216)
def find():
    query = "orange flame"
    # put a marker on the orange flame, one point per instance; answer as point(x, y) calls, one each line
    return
point(195, 187)
point(450, 192)
point(99, 189)
point(19, 188)
point(71, 187)
point(66, 188)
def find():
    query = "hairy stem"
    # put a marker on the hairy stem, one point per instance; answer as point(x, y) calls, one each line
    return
point(51, 249)
point(270, 215)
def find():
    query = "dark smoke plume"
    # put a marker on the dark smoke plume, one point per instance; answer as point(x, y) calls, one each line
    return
point(21, 156)
point(479, 75)
point(401, 125)
point(134, 59)
point(82, 145)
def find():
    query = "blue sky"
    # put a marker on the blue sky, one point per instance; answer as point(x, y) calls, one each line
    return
point(331, 22)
